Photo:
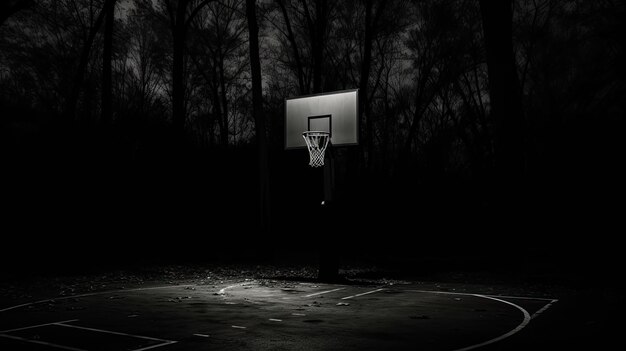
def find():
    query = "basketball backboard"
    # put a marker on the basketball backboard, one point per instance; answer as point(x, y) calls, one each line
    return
point(335, 112)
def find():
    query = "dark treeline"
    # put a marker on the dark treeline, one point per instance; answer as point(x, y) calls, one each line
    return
point(142, 127)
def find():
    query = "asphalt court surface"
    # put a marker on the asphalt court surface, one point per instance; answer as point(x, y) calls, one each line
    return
point(259, 315)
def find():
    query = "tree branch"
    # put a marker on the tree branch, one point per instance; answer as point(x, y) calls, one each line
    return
point(195, 11)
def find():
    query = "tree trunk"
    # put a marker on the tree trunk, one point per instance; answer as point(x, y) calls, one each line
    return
point(217, 106)
point(224, 115)
point(179, 26)
point(505, 96)
point(259, 118)
point(107, 58)
point(296, 53)
point(72, 100)
point(366, 63)
point(371, 28)
point(179, 37)
point(318, 44)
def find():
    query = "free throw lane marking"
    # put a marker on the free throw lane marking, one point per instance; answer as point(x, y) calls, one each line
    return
point(365, 293)
point(62, 324)
point(37, 326)
point(57, 346)
point(323, 292)
point(112, 332)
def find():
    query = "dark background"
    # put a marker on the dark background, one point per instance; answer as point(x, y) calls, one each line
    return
point(100, 167)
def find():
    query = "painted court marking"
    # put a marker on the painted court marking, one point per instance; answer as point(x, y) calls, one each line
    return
point(519, 327)
point(3, 334)
point(223, 290)
point(323, 292)
point(522, 297)
point(543, 309)
point(93, 294)
point(163, 342)
point(61, 323)
point(498, 297)
point(362, 294)
point(37, 326)
point(505, 335)
point(113, 332)
point(62, 347)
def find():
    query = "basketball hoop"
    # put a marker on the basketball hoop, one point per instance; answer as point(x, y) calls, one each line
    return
point(316, 142)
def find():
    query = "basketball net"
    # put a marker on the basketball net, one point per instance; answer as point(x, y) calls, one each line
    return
point(317, 143)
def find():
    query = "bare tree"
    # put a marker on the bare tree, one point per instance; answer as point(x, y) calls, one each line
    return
point(307, 24)
point(318, 27)
point(259, 117)
point(372, 17)
point(504, 88)
point(107, 58)
point(426, 44)
point(83, 61)
point(181, 13)
point(294, 47)
point(220, 56)
point(147, 56)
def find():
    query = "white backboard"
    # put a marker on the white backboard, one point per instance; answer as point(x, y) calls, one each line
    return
point(335, 112)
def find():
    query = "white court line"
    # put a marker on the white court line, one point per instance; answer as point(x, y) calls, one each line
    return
point(36, 326)
point(523, 324)
point(275, 320)
point(521, 297)
point(505, 335)
point(518, 328)
point(323, 292)
point(544, 308)
point(112, 332)
point(441, 292)
point(155, 346)
point(470, 294)
point(62, 324)
point(41, 343)
point(223, 290)
point(93, 294)
point(496, 296)
point(365, 293)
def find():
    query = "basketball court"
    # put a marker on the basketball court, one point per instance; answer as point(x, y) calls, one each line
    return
point(270, 314)
point(262, 314)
